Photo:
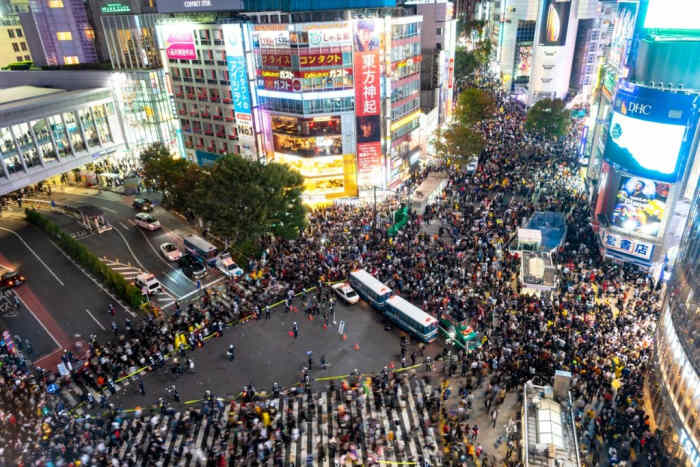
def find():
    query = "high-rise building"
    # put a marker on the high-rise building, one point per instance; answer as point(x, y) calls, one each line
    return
point(13, 44)
point(536, 41)
point(674, 387)
point(59, 33)
point(643, 166)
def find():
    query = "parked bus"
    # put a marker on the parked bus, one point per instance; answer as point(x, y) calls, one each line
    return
point(368, 287)
point(201, 249)
point(410, 318)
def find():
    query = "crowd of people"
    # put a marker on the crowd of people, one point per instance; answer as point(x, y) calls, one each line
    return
point(452, 260)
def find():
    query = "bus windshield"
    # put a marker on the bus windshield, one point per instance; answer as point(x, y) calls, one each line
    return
point(200, 248)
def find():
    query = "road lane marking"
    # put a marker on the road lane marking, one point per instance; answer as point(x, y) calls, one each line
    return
point(155, 252)
point(39, 321)
point(35, 254)
point(95, 319)
point(204, 286)
point(123, 225)
point(129, 248)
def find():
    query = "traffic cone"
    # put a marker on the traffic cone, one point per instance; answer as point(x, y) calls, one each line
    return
point(345, 337)
point(325, 326)
point(391, 365)
point(357, 346)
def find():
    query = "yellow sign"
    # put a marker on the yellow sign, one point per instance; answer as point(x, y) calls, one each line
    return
point(405, 120)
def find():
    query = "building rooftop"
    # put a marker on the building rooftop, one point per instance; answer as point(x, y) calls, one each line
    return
point(20, 93)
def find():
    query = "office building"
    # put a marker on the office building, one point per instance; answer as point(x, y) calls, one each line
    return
point(674, 387)
point(58, 32)
point(13, 44)
point(47, 131)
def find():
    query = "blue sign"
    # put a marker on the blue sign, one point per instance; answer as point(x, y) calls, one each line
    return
point(237, 70)
point(650, 131)
point(52, 388)
point(205, 158)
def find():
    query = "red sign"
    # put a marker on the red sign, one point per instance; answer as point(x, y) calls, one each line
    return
point(282, 84)
point(276, 60)
point(311, 60)
point(367, 94)
point(335, 73)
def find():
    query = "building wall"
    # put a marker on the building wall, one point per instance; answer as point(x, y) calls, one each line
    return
point(13, 44)
point(59, 33)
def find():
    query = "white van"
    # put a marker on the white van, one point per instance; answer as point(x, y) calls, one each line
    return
point(148, 283)
point(146, 221)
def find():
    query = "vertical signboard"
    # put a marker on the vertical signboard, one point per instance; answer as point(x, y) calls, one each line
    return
point(240, 87)
point(625, 19)
point(367, 75)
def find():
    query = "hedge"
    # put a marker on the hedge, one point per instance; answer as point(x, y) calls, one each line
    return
point(79, 252)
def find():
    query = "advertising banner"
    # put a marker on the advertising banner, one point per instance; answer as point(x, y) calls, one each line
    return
point(640, 206)
point(625, 19)
point(320, 59)
point(676, 14)
point(648, 133)
point(627, 246)
point(282, 60)
point(179, 42)
point(555, 22)
point(240, 87)
point(368, 101)
point(176, 6)
point(523, 64)
point(273, 39)
point(330, 37)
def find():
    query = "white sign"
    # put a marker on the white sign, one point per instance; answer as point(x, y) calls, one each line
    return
point(529, 236)
point(341, 327)
point(627, 246)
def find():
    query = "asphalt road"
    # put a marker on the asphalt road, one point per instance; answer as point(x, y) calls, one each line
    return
point(266, 353)
point(130, 244)
point(57, 293)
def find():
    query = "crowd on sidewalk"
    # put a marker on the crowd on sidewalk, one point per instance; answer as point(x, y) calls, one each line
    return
point(598, 323)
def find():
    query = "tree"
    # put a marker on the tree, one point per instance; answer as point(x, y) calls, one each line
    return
point(550, 117)
point(466, 62)
point(243, 200)
point(175, 178)
point(474, 105)
point(458, 145)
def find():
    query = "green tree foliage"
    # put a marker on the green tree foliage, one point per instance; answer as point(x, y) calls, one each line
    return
point(458, 145)
point(474, 105)
point(549, 117)
point(466, 62)
point(238, 199)
point(244, 200)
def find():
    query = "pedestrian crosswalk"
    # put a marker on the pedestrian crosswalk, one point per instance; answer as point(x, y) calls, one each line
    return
point(332, 427)
point(129, 272)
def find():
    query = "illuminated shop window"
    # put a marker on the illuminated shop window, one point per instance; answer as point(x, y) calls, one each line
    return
point(64, 36)
point(71, 60)
point(55, 3)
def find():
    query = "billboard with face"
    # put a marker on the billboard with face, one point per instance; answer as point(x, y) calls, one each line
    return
point(640, 206)
point(367, 73)
point(555, 22)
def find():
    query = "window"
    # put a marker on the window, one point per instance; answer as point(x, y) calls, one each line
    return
point(18, 32)
point(55, 3)
point(23, 45)
point(19, 58)
point(27, 57)
point(11, 33)
point(15, 47)
point(64, 36)
point(438, 31)
point(90, 34)
point(71, 60)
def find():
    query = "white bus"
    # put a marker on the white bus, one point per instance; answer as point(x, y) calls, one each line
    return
point(410, 318)
point(368, 287)
point(201, 249)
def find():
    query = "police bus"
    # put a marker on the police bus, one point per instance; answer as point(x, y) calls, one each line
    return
point(368, 287)
point(201, 249)
point(411, 319)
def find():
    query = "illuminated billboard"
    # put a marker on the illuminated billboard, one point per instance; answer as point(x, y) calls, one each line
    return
point(367, 72)
point(673, 14)
point(625, 19)
point(640, 206)
point(240, 88)
point(648, 134)
point(555, 22)
point(329, 176)
point(178, 40)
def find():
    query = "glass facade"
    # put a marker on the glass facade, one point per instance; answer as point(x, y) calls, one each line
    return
point(675, 392)
point(45, 140)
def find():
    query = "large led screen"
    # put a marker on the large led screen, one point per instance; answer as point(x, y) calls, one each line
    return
point(673, 14)
point(643, 146)
point(640, 206)
point(555, 22)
